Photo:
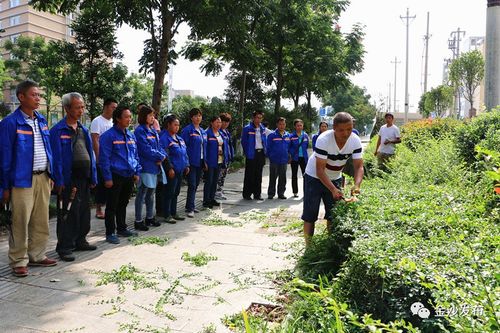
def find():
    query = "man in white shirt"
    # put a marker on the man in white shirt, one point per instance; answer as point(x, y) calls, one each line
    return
point(323, 176)
point(388, 137)
point(98, 126)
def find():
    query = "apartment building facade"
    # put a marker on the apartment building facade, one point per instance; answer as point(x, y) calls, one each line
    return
point(18, 18)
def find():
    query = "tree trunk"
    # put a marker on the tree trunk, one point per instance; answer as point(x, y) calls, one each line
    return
point(279, 80)
point(309, 109)
point(241, 107)
point(161, 66)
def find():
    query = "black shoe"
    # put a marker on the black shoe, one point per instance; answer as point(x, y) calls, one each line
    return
point(270, 197)
point(85, 247)
point(127, 233)
point(67, 256)
point(215, 203)
point(258, 198)
point(140, 226)
point(281, 197)
point(170, 220)
point(247, 198)
point(152, 222)
point(207, 205)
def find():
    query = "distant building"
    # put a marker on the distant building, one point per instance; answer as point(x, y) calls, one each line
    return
point(18, 18)
point(185, 92)
point(399, 117)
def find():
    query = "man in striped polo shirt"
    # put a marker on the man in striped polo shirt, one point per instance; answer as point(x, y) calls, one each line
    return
point(26, 166)
point(323, 176)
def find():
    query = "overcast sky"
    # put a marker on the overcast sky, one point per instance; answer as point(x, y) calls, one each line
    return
point(385, 39)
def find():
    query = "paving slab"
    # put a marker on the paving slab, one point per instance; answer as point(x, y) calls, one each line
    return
point(169, 292)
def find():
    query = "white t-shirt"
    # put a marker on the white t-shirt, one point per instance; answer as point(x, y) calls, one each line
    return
point(327, 149)
point(388, 133)
point(258, 139)
point(267, 131)
point(100, 125)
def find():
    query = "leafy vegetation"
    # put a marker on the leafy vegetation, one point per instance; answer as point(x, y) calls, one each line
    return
point(427, 232)
point(199, 259)
point(125, 275)
point(215, 219)
point(483, 131)
point(158, 240)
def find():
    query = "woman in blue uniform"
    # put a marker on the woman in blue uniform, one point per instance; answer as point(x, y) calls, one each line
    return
point(176, 150)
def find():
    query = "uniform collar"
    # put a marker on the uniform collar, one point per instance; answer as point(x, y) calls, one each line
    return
point(21, 117)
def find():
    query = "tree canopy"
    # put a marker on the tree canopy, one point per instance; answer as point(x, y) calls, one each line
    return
point(466, 73)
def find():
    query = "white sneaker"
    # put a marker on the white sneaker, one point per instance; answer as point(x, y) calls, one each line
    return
point(190, 214)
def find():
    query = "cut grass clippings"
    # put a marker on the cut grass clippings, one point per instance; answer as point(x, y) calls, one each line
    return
point(215, 219)
point(156, 240)
point(200, 259)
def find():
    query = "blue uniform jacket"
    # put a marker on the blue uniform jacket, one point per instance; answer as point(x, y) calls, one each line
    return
point(62, 153)
point(248, 140)
point(278, 146)
point(294, 146)
point(194, 139)
point(150, 151)
point(17, 147)
point(176, 151)
point(314, 138)
point(118, 154)
point(213, 149)
point(230, 151)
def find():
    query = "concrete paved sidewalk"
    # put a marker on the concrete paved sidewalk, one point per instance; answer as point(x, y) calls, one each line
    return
point(170, 293)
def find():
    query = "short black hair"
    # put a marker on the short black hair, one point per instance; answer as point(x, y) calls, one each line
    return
point(225, 117)
point(342, 118)
point(297, 121)
point(117, 113)
point(194, 111)
point(389, 115)
point(144, 111)
point(323, 122)
point(23, 87)
point(108, 101)
point(280, 119)
point(168, 119)
point(256, 113)
point(214, 118)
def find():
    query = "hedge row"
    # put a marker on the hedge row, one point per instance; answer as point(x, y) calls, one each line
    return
point(427, 232)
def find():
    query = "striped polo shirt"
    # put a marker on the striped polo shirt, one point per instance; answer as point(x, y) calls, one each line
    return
point(40, 161)
point(327, 149)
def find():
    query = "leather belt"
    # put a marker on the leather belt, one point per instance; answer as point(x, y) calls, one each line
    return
point(39, 172)
point(259, 150)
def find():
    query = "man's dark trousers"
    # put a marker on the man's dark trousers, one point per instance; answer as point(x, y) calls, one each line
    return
point(253, 175)
point(73, 230)
point(116, 205)
point(277, 171)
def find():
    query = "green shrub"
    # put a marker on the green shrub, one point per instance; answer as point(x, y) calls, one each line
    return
point(425, 233)
point(483, 130)
point(415, 132)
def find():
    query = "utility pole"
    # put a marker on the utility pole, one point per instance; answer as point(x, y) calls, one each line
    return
point(395, 62)
point(454, 46)
point(389, 99)
point(492, 72)
point(407, 98)
point(427, 37)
